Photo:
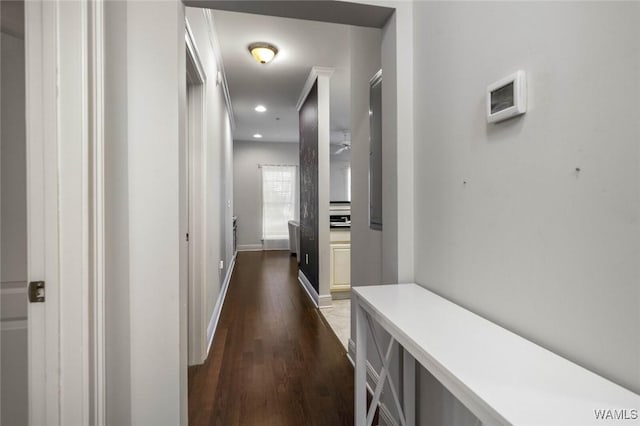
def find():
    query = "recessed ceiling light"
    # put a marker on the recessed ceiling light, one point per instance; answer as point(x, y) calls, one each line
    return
point(257, 136)
point(263, 52)
point(260, 108)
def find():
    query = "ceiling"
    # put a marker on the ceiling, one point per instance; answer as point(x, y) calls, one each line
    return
point(277, 85)
point(338, 12)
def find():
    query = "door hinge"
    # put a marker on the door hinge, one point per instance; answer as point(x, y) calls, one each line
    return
point(187, 237)
point(36, 291)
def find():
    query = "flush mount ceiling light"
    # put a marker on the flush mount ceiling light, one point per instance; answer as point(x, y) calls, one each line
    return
point(263, 52)
point(257, 136)
point(260, 108)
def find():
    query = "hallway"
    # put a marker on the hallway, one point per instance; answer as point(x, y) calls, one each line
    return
point(274, 360)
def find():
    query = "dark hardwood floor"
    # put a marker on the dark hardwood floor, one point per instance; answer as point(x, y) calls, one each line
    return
point(274, 360)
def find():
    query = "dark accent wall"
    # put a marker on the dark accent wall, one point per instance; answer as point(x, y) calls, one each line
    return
point(309, 187)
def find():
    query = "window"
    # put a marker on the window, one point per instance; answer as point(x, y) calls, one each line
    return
point(348, 172)
point(278, 201)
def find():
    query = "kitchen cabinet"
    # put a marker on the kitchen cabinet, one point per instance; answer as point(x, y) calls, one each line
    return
point(340, 261)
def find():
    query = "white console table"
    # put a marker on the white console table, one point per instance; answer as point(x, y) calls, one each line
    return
point(499, 376)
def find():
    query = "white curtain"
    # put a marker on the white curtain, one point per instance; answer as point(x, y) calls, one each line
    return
point(278, 201)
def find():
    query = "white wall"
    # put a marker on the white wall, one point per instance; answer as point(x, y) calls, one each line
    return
point(339, 163)
point(219, 169)
point(528, 242)
point(247, 184)
point(156, 133)
point(145, 129)
point(13, 267)
point(146, 305)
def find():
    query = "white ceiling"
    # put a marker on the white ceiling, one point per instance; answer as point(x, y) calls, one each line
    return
point(277, 85)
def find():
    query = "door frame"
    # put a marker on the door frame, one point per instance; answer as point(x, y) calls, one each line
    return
point(196, 156)
point(65, 210)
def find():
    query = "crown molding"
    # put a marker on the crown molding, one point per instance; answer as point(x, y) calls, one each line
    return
point(313, 76)
point(222, 75)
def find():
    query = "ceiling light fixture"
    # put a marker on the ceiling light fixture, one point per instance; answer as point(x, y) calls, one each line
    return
point(263, 52)
point(257, 136)
point(260, 108)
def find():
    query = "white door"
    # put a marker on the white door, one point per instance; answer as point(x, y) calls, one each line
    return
point(61, 226)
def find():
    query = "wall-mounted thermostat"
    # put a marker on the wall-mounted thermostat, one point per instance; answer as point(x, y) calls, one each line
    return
point(507, 97)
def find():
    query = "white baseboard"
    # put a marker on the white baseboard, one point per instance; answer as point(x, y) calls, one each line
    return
point(341, 294)
point(249, 247)
point(325, 301)
point(275, 244)
point(215, 316)
point(308, 288)
point(260, 247)
point(385, 416)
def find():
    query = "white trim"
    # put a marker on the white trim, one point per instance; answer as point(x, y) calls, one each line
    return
point(324, 160)
point(196, 170)
point(97, 200)
point(217, 310)
point(193, 51)
point(280, 244)
point(308, 288)
point(41, 29)
point(249, 247)
point(313, 75)
point(385, 415)
point(325, 301)
point(74, 209)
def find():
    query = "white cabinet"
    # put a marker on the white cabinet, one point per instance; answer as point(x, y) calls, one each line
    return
point(340, 261)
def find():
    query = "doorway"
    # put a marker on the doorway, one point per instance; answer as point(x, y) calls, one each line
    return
point(194, 263)
point(264, 115)
point(13, 219)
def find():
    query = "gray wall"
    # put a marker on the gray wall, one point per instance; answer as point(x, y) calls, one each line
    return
point(226, 196)
point(218, 184)
point(373, 252)
point(246, 191)
point(530, 243)
point(366, 244)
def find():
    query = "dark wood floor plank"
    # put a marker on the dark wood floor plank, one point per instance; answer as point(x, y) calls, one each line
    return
point(273, 361)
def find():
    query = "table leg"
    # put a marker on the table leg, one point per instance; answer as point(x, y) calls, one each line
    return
point(360, 399)
point(409, 387)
